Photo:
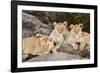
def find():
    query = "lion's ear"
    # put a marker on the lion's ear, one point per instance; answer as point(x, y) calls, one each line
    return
point(65, 23)
point(71, 26)
point(55, 23)
point(81, 25)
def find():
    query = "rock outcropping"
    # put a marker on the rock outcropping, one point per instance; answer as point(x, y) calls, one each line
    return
point(55, 57)
point(32, 25)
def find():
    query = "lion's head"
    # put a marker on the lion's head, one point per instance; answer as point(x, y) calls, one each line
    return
point(76, 29)
point(46, 41)
point(60, 27)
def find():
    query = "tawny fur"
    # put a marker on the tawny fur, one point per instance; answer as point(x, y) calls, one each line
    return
point(77, 35)
point(37, 45)
point(57, 34)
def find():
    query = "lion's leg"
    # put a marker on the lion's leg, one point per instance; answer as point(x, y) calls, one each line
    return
point(72, 41)
point(87, 47)
point(24, 56)
point(59, 44)
point(54, 50)
point(75, 46)
point(82, 46)
point(46, 51)
point(41, 54)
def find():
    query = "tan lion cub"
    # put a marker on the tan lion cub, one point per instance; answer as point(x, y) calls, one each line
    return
point(78, 37)
point(39, 45)
point(57, 34)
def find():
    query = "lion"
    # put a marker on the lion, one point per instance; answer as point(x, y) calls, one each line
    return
point(78, 38)
point(39, 45)
point(58, 34)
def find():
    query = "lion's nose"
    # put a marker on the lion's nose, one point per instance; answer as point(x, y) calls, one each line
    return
point(78, 43)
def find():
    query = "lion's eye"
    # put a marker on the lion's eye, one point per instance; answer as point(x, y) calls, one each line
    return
point(50, 39)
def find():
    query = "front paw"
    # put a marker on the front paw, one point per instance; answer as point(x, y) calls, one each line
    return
point(54, 51)
point(81, 48)
point(75, 47)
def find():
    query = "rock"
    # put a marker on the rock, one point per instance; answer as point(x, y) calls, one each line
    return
point(33, 25)
point(54, 57)
point(69, 49)
point(66, 49)
point(31, 19)
point(41, 15)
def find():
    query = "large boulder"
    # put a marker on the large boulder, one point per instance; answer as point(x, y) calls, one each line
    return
point(55, 57)
point(33, 25)
point(70, 50)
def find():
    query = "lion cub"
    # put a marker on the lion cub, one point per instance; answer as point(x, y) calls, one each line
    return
point(57, 34)
point(39, 45)
point(78, 37)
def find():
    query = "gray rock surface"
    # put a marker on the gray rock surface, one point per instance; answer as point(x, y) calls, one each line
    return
point(55, 57)
point(69, 49)
point(33, 25)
